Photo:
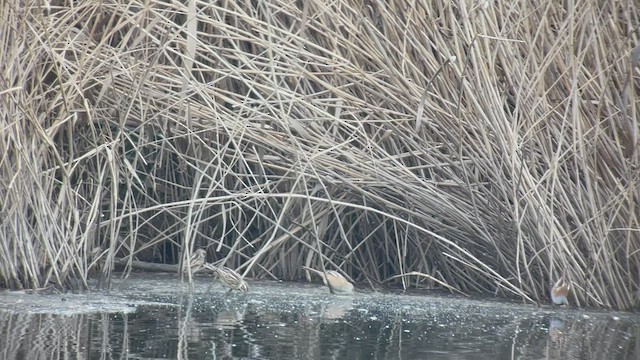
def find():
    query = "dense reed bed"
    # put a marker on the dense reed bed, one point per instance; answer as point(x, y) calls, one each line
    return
point(481, 147)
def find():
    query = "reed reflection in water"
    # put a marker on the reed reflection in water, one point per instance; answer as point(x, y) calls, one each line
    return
point(310, 325)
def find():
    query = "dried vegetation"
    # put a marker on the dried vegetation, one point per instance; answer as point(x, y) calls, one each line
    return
point(479, 146)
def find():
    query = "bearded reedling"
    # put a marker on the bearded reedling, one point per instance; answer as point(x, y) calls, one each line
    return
point(560, 290)
point(196, 261)
point(229, 277)
point(337, 283)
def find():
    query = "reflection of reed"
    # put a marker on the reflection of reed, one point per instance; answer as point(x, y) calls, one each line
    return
point(574, 339)
point(38, 336)
point(187, 329)
point(306, 328)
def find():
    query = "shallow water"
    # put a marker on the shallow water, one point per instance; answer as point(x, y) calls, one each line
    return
point(150, 316)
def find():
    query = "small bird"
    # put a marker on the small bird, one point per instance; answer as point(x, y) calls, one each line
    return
point(229, 277)
point(334, 280)
point(196, 261)
point(560, 290)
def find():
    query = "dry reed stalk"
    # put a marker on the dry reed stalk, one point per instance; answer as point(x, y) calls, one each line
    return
point(478, 147)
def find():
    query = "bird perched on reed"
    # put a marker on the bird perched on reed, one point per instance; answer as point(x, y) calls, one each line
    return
point(337, 283)
point(196, 261)
point(229, 277)
point(560, 290)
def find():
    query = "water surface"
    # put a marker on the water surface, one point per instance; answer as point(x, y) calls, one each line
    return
point(150, 316)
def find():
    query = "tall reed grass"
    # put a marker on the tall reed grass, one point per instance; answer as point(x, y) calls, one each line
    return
point(481, 147)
